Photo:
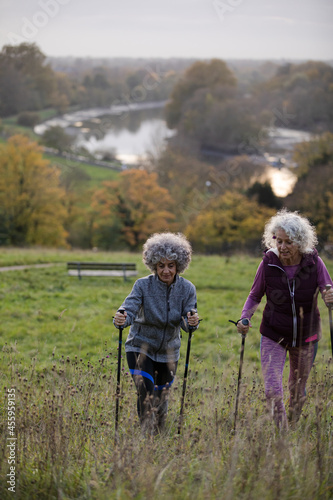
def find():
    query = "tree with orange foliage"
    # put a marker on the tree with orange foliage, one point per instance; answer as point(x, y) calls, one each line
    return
point(134, 207)
point(31, 201)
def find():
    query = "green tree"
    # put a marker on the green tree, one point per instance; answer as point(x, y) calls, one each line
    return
point(28, 119)
point(313, 191)
point(31, 201)
point(264, 195)
point(218, 120)
point(26, 82)
point(298, 96)
point(314, 153)
point(209, 112)
point(56, 137)
point(201, 75)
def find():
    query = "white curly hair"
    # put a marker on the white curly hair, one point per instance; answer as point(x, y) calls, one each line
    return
point(297, 228)
point(168, 246)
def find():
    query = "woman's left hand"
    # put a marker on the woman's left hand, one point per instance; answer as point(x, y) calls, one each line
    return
point(328, 297)
point(193, 319)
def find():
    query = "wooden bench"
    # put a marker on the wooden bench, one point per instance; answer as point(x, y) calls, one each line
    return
point(119, 269)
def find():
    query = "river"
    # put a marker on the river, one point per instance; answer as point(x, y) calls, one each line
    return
point(129, 132)
point(126, 131)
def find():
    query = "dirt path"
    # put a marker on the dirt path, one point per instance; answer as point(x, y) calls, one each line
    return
point(29, 266)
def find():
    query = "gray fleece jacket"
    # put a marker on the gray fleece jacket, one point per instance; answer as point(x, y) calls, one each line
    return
point(156, 312)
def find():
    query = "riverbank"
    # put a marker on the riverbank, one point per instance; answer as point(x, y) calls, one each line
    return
point(77, 117)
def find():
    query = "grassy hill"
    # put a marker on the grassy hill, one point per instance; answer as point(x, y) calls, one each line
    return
point(59, 354)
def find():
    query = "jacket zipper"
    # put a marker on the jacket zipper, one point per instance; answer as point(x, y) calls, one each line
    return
point(292, 295)
point(167, 318)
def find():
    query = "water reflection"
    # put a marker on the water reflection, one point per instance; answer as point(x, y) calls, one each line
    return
point(128, 145)
point(282, 180)
point(286, 138)
point(127, 136)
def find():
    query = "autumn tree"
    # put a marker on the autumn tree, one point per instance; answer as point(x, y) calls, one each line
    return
point(130, 209)
point(313, 191)
point(186, 179)
point(228, 221)
point(31, 201)
point(193, 182)
point(79, 218)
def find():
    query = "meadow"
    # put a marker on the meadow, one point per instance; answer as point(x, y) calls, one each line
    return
point(59, 357)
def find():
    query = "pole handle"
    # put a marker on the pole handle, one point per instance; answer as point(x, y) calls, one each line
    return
point(244, 321)
point(328, 287)
point(191, 328)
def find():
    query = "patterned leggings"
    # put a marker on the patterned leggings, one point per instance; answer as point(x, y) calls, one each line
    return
point(273, 358)
point(153, 381)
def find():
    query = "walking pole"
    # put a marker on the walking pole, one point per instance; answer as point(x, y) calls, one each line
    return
point(120, 340)
point(185, 374)
point(330, 319)
point(244, 321)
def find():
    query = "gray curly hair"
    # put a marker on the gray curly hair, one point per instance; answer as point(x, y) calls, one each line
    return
point(168, 246)
point(297, 228)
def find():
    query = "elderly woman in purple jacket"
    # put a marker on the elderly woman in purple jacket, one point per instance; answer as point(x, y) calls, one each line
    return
point(291, 275)
point(158, 306)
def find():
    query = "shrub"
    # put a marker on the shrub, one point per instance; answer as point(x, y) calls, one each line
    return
point(28, 119)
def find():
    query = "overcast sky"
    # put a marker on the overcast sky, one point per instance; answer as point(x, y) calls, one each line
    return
point(242, 29)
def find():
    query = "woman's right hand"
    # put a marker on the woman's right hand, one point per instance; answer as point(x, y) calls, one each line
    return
point(120, 318)
point(243, 329)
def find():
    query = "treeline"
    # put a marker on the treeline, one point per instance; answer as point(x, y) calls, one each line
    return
point(29, 82)
point(211, 113)
point(297, 95)
point(218, 207)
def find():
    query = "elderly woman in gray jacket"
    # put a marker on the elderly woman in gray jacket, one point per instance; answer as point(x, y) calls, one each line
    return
point(158, 306)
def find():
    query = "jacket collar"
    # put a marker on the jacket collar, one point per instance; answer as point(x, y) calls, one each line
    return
point(164, 285)
point(308, 259)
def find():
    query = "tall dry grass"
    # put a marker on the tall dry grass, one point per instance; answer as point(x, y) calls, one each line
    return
point(66, 445)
